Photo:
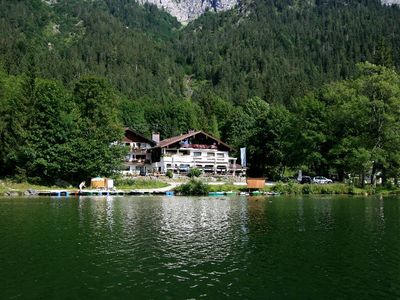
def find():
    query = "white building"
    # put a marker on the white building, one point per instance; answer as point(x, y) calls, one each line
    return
point(195, 149)
point(138, 160)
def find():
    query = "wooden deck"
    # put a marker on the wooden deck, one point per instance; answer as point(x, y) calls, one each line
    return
point(67, 193)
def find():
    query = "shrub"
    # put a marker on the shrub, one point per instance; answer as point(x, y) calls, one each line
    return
point(306, 189)
point(194, 172)
point(351, 189)
point(316, 189)
point(169, 174)
point(193, 188)
point(287, 189)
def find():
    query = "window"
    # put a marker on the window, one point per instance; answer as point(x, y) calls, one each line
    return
point(210, 154)
point(184, 152)
point(196, 153)
point(184, 168)
point(220, 154)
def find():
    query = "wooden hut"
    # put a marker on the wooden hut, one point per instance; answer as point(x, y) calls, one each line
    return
point(255, 183)
point(101, 183)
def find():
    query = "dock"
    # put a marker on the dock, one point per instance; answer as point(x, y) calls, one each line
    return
point(76, 193)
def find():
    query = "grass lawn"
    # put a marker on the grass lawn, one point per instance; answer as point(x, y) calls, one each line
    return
point(138, 184)
point(8, 185)
point(226, 188)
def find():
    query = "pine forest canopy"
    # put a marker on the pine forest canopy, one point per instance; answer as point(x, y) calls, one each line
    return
point(245, 76)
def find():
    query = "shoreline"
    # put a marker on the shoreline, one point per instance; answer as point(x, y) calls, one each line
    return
point(12, 189)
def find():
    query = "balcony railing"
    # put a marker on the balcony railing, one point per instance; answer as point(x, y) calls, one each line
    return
point(138, 151)
point(138, 161)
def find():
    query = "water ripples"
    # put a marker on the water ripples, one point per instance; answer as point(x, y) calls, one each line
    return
point(191, 248)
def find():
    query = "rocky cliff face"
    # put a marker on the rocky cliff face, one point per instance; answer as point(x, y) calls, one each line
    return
point(391, 2)
point(188, 10)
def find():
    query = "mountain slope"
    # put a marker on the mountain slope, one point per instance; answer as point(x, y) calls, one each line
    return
point(127, 43)
point(276, 50)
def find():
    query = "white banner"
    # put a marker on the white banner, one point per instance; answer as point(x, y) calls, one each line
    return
point(243, 157)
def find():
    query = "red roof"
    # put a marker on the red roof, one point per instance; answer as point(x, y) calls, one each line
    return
point(145, 139)
point(175, 139)
point(126, 140)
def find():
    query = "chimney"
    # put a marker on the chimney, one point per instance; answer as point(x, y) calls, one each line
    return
point(156, 137)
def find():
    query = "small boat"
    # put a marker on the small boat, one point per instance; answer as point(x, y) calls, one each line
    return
point(273, 193)
point(216, 193)
point(257, 193)
point(230, 193)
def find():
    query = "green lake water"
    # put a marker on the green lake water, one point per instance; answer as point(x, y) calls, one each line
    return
point(193, 248)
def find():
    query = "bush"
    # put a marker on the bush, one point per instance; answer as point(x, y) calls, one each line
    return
point(169, 174)
point(194, 172)
point(193, 188)
point(316, 189)
point(287, 189)
point(20, 175)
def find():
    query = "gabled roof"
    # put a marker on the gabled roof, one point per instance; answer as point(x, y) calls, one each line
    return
point(149, 141)
point(175, 139)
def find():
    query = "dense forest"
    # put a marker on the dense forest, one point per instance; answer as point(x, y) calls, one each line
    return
point(302, 84)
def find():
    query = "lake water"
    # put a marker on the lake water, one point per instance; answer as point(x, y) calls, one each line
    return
point(193, 248)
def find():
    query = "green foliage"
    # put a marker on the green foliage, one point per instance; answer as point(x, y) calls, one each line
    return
point(99, 129)
point(362, 118)
point(193, 188)
point(317, 189)
point(169, 174)
point(274, 50)
point(278, 50)
point(286, 189)
point(194, 172)
point(49, 135)
point(254, 77)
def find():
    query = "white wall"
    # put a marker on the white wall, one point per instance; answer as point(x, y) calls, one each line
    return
point(210, 159)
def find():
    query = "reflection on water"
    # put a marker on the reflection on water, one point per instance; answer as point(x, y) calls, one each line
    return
point(176, 247)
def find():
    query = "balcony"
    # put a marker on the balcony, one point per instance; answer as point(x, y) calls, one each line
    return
point(199, 146)
point(138, 151)
point(138, 162)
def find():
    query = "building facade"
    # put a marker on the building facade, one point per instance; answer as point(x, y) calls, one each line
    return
point(138, 160)
point(195, 149)
point(179, 154)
